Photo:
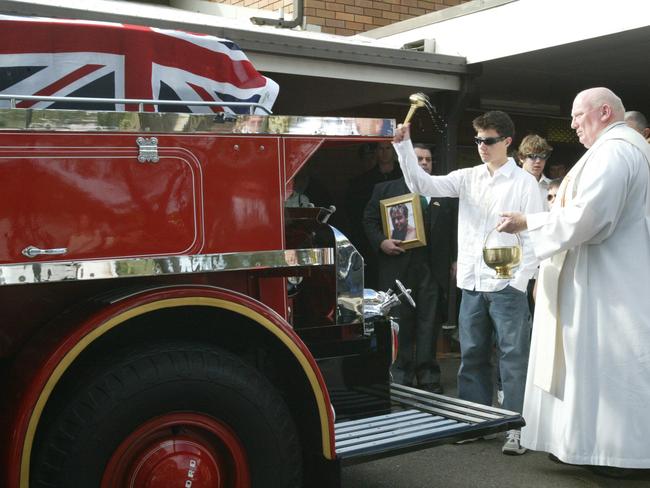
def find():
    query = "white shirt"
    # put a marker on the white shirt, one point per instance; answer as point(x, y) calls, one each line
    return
point(482, 197)
point(543, 190)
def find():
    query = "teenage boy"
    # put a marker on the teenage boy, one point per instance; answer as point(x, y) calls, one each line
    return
point(533, 153)
point(489, 307)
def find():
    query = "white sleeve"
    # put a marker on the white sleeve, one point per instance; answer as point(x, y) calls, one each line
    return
point(592, 215)
point(419, 181)
point(531, 202)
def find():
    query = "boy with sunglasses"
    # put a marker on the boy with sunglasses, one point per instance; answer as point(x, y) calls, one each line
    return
point(489, 306)
point(533, 153)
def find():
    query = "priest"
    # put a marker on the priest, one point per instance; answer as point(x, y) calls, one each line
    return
point(588, 384)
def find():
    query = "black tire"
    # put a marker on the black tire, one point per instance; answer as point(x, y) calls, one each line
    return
point(73, 447)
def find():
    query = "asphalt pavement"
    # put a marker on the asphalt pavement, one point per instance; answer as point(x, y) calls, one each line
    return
point(476, 465)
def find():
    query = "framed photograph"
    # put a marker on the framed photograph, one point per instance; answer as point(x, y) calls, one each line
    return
point(402, 219)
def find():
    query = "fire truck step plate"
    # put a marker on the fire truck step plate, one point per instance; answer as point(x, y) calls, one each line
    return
point(418, 419)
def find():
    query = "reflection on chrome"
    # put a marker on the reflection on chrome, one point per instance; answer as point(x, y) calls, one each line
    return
point(377, 304)
point(152, 122)
point(349, 280)
point(55, 271)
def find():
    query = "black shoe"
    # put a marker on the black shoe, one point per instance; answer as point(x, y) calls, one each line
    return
point(433, 388)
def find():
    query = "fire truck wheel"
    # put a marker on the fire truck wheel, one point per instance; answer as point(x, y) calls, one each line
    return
point(179, 414)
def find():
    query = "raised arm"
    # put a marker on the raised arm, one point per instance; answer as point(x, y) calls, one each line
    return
point(418, 180)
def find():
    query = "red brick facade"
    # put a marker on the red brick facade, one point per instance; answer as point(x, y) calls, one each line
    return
point(273, 5)
point(348, 17)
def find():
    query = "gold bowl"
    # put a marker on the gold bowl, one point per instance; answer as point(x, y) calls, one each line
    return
point(502, 259)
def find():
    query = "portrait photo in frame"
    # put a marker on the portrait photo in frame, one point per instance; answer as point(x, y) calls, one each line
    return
point(401, 217)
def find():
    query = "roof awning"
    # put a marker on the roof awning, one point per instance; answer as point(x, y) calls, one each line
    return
point(534, 56)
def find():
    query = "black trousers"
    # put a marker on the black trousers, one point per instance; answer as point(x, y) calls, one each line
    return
point(531, 298)
point(418, 331)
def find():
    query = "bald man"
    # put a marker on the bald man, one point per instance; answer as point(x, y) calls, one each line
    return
point(588, 385)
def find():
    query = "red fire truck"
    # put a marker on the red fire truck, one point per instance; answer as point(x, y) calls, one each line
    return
point(167, 321)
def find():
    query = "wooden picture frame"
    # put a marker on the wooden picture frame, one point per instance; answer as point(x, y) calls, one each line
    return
point(412, 234)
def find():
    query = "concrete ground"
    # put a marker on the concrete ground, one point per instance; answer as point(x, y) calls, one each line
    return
point(475, 465)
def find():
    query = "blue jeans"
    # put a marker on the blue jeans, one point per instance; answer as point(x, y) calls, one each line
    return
point(484, 316)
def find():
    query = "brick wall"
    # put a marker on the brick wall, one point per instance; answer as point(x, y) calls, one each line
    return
point(348, 17)
point(273, 5)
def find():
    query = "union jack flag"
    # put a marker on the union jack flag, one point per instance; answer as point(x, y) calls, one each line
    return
point(52, 57)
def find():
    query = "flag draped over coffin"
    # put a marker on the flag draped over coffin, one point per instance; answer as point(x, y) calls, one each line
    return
point(74, 58)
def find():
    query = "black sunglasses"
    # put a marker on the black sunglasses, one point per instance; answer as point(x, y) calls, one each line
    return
point(533, 157)
point(488, 141)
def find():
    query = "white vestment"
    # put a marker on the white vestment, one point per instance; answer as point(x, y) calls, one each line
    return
point(588, 388)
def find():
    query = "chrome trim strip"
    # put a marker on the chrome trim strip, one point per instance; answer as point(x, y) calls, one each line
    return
point(97, 269)
point(189, 123)
point(141, 102)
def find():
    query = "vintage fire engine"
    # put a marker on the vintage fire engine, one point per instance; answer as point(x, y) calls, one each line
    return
point(167, 321)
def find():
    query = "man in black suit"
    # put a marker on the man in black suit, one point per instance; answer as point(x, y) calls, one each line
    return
point(425, 270)
point(357, 196)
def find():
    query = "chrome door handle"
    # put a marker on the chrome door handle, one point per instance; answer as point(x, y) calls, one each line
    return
point(33, 251)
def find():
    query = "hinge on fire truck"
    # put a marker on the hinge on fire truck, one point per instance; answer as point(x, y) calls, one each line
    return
point(148, 149)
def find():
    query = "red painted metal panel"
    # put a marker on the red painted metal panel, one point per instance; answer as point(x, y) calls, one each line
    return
point(297, 150)
point(89, 194)
point(243, 204)
point(273, 292)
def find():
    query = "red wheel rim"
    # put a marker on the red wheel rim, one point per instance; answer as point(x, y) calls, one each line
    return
point(187, 450)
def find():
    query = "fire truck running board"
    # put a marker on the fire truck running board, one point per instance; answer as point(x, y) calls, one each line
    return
point(419, 419)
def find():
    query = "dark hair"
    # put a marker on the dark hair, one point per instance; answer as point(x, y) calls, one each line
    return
point(419, 145)
point(497, 120)
point(367, 148)
point(401, 207)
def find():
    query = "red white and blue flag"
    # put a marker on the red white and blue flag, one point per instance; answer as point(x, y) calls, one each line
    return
point(52, 57)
